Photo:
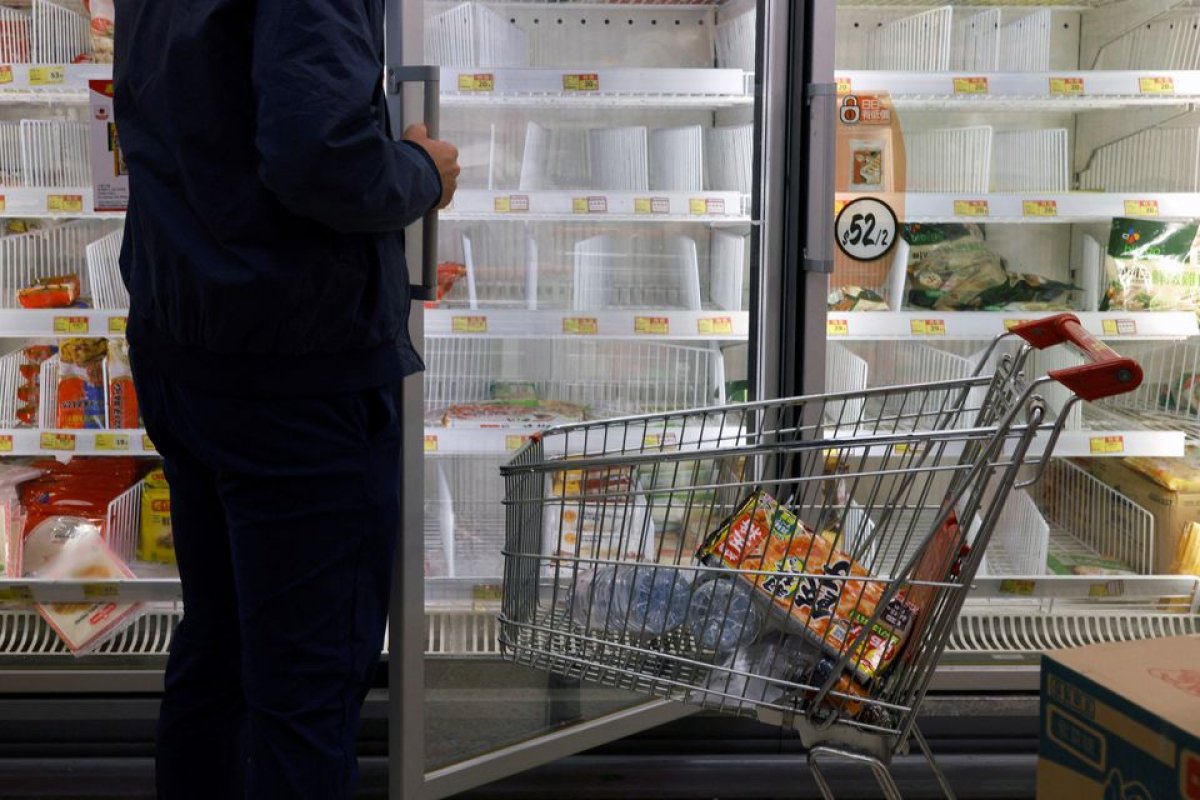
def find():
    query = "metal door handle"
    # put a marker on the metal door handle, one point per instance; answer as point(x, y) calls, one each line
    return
point(431, 77)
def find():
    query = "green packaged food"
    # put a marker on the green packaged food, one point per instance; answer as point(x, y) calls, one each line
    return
point(1151, 266)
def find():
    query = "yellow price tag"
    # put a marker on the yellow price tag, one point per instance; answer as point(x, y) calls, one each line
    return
point(477, 82)
point(112, 442)
point(6, 443)
point(16, 594)
point(974, 85)
point(511, 204)
point(431, 443)
point(471, 324)
point(64, 203)
point(1067, 87)
point(1012, 586)
point(653, 326)
point(147, 445)
point(1039, 208)
point(597, 204)
point(971, 208)
point(1141, 208)
point(71, 325)
point(706, 206)
point(581, 326)
point(581, 82)
point(1118, 327)
point(837, 327)
point(99, 591)
point(843, 85)
point(714, 326)
point(117, 325)
point(58, 441)
point(1106, 445)
point(1009, 324)
point(47, 76)
point(6, 73)
point(1107, 589)
point(928, 327)
point(1156, 84)
point(514, 441)
point(642, 205)
point(501, 205)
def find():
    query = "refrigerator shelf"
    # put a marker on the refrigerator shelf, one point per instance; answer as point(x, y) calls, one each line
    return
point(931, 326)
point(596, 87)
point(655, 324)
point(1042, 207)
point(20, 590)
point(43, 83)
point(90, 442)
point(61, 322)
point(1074, 90)
point(51, 203)
point(588, 205)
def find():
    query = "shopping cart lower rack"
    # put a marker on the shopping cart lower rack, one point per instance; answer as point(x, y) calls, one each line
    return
point(801, 561)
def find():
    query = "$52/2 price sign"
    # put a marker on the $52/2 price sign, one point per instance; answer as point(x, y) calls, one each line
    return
point(865, 229)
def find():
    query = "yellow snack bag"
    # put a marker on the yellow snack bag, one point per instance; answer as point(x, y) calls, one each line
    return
point(155, 542)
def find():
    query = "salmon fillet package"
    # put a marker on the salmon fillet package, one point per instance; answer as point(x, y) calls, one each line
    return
point(813, 588)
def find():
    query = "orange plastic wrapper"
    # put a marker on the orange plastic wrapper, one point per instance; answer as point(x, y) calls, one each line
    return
point(39, 353)
point(123, 411)
point(81, 384)
point(448, 274)
point(57, 292)
point(83, 487)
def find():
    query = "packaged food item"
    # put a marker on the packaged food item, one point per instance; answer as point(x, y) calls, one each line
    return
point(1187, 555)
point(1176, 474)
point(448, 274)
point(866, 165)
point(123, 411)
point(156, 542)
point(518, 392)
point(508, 414)
point(722, 615)
point(29, 386)
point(1151, 266)
point(81, 384)
point(103, 17)
point(856, 298)
point(597, 514)
point(81, 487)
point(58, 292)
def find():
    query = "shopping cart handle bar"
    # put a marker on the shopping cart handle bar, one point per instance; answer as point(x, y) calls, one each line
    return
point(1106, 374)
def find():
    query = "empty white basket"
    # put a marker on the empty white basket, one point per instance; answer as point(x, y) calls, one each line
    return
point(729, 166)
point(677, 159)
point(949, 160)
point(618, 159)
point(104, 271)
point(1165, 159)
point(918, 43)
point(60, 34)
point(1030, 161)
point(473, 35)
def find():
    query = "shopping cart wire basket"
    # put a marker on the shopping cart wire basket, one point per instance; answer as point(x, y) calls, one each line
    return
point(801, 561)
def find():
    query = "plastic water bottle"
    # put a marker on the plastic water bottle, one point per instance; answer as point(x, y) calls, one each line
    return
point(592, 603)
point(658, 599)
point(723, 616)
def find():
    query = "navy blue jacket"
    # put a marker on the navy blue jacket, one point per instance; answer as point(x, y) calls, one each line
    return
point(263, 244)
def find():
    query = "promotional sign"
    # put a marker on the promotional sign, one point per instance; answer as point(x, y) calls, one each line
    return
point(110, 177)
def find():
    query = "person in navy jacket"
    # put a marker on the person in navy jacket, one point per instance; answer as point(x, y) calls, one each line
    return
point(268, 330)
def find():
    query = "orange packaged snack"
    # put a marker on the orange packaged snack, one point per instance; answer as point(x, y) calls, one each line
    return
point(81, 392)
point(123, 411)
point(58, 292)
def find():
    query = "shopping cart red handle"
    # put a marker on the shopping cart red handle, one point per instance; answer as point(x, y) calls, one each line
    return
point(1107, 373)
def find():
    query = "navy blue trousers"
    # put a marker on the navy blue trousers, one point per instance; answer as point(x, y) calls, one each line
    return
point(285, 513)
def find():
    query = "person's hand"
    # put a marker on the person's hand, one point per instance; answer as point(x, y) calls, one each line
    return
point(444, 155)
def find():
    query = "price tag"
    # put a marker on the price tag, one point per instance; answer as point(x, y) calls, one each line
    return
point(1067, 87)
point(6, 73)
point(6, 443)
point(865, 229)
point(118, 325)
point(16, 594)
point(975, 85)
point(64, 204)
point(514, 441)
point(971, 208)
point(837, 327)
point(47, 76)
point(1118, 327)
point(1012, 586)
point(1009, 324)
point(1141, 208)
point(99, 591)
point(471, 324)
point(928, 327)
point(651, 205)
point(652, 326)
point(1106, 445)
point(512, 204)
point(1107, 589)
point(843, 85)
point(660, 440)
point(1039, 208)
point(112, 442)
point(706, 206)
point(71, 325)
point(581, 82)
point(477, 82)
point(581, 326)
point(147, 445)
point(431, 443)
point(641, 205)
point(590, 205)
point(714, 326)
point(58, 441)
point(1156, 84)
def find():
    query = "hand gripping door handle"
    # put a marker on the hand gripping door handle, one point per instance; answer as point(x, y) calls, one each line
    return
point(431, 77)
point(1107, 373)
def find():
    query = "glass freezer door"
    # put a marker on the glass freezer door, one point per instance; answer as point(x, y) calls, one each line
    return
point(597, 261)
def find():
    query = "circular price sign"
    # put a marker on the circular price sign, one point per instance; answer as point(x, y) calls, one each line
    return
point(866, 229)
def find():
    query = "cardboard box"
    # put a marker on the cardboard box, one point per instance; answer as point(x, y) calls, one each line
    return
point(1121, 721)
point(1172, 510)
point(156, 542)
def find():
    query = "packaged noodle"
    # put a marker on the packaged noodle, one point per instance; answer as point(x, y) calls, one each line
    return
point(81, 383)
point(813, 588)
point(1151, 266)
point(123, 411)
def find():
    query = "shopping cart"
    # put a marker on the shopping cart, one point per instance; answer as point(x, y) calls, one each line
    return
point(801, 561)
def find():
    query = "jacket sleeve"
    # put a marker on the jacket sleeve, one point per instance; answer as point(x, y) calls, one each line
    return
point(324, 152)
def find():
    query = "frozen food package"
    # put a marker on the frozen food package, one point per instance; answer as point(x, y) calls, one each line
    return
point(596, 514)
point(867, 165)
point(57, 292)
point(29, 387)
point(103, 17)
point(123, 410)
point(519, 392)
point(507, 414)
point(856, 298)
point(1151, 265)
point(81, 384)
point(1187, 554)
point(72, 548)
point(156, 542)
point(81, 487)
point(1175, 474)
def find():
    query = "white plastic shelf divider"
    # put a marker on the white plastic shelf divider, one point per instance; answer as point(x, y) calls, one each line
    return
point(40, 322)
point(593, 205)
point(1042, 207)
point(68, 202)
point(590, 88)
point(932, 326)
point(715, 325)
point(42, 442)
point(1026, 90)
